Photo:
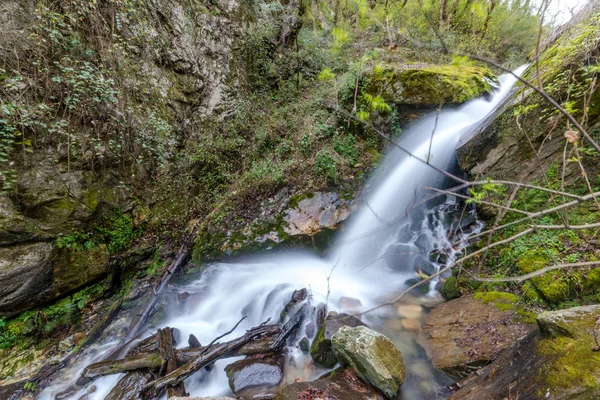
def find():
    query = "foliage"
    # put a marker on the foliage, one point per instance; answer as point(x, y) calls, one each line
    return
point(325, 165)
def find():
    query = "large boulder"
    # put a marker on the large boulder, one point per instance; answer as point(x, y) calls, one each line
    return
point(560, 362)
point(320, 350)
point(428, 85)
point(373, 356)
point(339, 385)
point(315, 212)
point(471, 330)
point(255, 375)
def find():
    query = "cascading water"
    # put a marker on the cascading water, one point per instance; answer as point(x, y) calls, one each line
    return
point(370, 263)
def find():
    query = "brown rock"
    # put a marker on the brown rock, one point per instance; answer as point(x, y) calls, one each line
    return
point(465, 332)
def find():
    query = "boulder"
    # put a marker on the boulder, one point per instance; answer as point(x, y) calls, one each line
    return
point(320, 350)
point(471, 331)
point(255, 374)
point(373, 356)
point(339, 385)
point(559, 362)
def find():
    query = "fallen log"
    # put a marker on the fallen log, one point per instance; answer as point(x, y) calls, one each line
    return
point(153, 361)
point(129, 386)
point(209, 356)
point(153, 300)
point(167, 353)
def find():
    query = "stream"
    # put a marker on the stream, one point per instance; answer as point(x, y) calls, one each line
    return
point(371, 262)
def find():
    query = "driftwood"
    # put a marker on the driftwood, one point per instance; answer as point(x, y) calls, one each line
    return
point(167, 353)
point(289, 328)
point(209, 356)
point(130, 386)
point(153, 300)
point(152, 360)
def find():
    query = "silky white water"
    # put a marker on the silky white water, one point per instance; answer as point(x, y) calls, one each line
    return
point(370, 262)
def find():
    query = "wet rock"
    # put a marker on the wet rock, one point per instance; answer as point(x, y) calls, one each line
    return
point(339, 385)
point(255, 374)
point(297, 297)
point(193, 341)
point(411, 324)
point(304, 345)
point(66, 344)
point(399, 256)
point(349, 304)
point(450, 289)
point(130, 386)
point(409, 310)
point(373, 356)
point(424, 266)
point(320, 350)
point(465, 332)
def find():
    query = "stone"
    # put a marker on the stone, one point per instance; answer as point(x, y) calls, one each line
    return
point(349, 304)
point(449, 289)
point(466, 332)
point(373, 356)
point(255, 373)
point(563, 322)
point(557, 363)
point(409, 310)
point(411, 324)
point(341, 384)
point(202, 398)
point(315, 212)
point(320, 350)
point(66, 344)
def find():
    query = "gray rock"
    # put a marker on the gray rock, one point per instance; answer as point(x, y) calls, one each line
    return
point(564, 322)
point(320, 350)
point(253, 373)
point(373, 356)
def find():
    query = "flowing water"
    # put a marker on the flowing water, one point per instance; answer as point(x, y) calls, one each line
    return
point(386, 242)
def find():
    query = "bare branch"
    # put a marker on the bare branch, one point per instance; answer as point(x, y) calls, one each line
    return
point(522, 278)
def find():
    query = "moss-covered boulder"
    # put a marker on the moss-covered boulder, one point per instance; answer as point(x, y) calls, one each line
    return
point(450, 289)
point(320, 350)
point(560, 362)
point(373, 356)
point(428, 85)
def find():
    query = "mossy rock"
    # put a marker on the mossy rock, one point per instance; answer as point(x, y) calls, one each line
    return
point(573, 365)
point(430, 85)
point(450, 289)
point(320, 350)
point(373, 356)
point(558, 286)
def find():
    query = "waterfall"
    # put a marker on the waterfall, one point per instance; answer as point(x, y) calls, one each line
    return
point(369, 263)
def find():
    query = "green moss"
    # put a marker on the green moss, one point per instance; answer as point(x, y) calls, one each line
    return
point(501, 300)
point(447, 83)
point(450, 289)
point(571, 360)
point(297, 198)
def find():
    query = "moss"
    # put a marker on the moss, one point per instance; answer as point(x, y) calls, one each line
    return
point(297, 198)
point(571, 360)
point(447, 83)
point(450, 289)
point(501, 300)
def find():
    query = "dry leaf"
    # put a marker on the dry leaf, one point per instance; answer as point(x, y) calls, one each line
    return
point(572, 136)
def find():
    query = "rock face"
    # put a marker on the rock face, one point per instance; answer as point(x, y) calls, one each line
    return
point(316, 212)
point(558, 362)
point(373, 356)
point(465, 331)
point(320, 350)
point(339, 385)
point(255, 374)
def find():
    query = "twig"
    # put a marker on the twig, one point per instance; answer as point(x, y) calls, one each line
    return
point(223, 335)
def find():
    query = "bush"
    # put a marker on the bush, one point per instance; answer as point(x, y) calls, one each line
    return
point(325, 165)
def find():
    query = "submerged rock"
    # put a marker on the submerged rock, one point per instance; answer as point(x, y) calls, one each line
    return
point(255, 373)
point(466, 332)
point(339, 385)
point(320, 350)
point(373, 356)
